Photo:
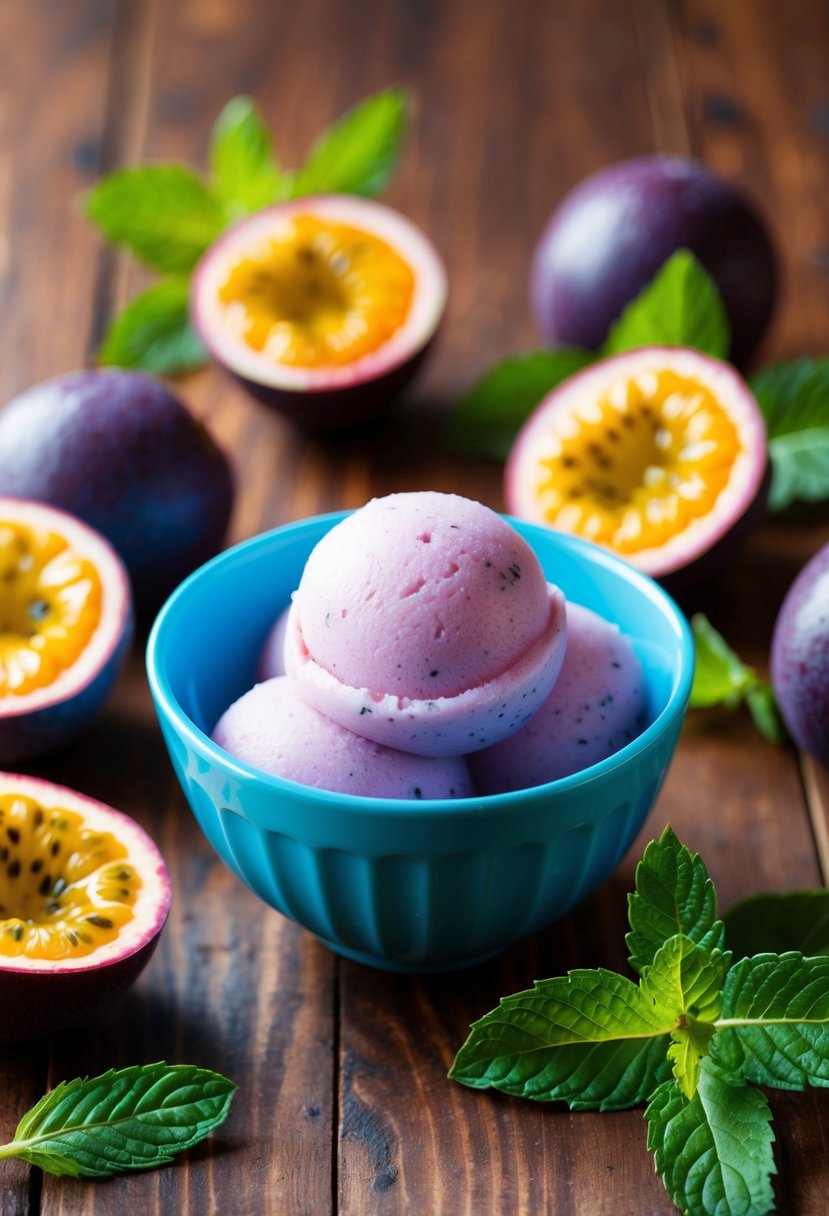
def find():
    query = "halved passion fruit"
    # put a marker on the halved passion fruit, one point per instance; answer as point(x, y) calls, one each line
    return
point(84, 894)
point(65, 625)
point(657, 454)
point(323, 307)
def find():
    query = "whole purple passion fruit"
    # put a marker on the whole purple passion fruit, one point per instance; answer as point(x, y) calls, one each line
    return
point(659, 454)
point(84, 894)
point(123, 453)
point(800, 657)
point(65, 626)
point(322, 307)
point(611, 234)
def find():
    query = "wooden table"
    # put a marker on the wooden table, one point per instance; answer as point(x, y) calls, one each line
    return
point(343, 1102)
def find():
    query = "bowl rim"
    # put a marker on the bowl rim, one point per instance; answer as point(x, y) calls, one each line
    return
point(167, 705)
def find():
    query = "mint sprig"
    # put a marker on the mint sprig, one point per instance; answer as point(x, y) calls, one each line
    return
point(693, 1039)
point(794, 400)
point(167, 215)
point(721, 678)
point(130, 1119)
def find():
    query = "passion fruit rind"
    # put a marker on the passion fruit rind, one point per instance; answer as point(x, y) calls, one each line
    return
point(659, 454)
point(93, 892)
point(323, 307)
point(35, 721)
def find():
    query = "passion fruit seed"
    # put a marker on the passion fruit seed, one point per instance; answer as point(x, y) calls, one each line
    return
point(65, 890)
point(49, 608)
point(317, 293)
point(640, 462)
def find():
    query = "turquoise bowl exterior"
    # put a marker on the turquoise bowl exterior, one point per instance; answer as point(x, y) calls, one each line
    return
point(407, 886)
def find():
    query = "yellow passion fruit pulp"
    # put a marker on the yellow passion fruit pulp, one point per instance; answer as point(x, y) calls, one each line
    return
point(322, 307)
point(49, 609)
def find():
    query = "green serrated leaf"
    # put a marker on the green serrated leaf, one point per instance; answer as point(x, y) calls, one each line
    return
point(685, 980)
point(774, 1028)
point(800, 468)
point(673, 895)
point(485, 421)
point(243, 167)
point(164, 214)
point(721, 678)
point(130, 1119)
point(681, 306)
point(779, 921)
point(794, 400)
point(590, 1039)
point(713, 1151)
point(153, 333)
point(358, 153)
point(690, 1044)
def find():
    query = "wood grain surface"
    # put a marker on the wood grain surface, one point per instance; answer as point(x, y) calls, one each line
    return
point(343, 1102)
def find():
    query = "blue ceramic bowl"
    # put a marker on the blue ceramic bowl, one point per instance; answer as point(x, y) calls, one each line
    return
point(407, 886)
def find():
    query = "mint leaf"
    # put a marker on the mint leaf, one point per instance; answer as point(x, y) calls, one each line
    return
point(681, 306)
point(153, 333)
point(721, 678)
point(131, 1119)
point(163, 214)
point(590, 1039)
point(714, 1151)
point(686, 980)
point(794, 400)
point(243, 167)
point(485, 421)
point(779, 921)
point(774, 1028)
point(358, 153)
point(673, 895)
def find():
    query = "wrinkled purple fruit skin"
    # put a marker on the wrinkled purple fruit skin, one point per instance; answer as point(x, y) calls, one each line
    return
point(34, 733)
point(611, 234)
point(800, 657)
point(338, 410)
point(124, 454)
point(33, 1005)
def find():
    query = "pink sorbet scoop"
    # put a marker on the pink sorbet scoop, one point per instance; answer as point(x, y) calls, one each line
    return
point(596, 707)
point(424, 621)
point(271, 728)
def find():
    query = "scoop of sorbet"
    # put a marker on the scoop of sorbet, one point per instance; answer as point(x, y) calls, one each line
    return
point(272, 729)
point(596, 707)
point(425, 622)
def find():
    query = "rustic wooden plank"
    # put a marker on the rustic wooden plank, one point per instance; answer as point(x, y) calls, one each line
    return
point(755, 75)
point(53, 88)
point(662, 81)
point(53, 91)
point(233, 985)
